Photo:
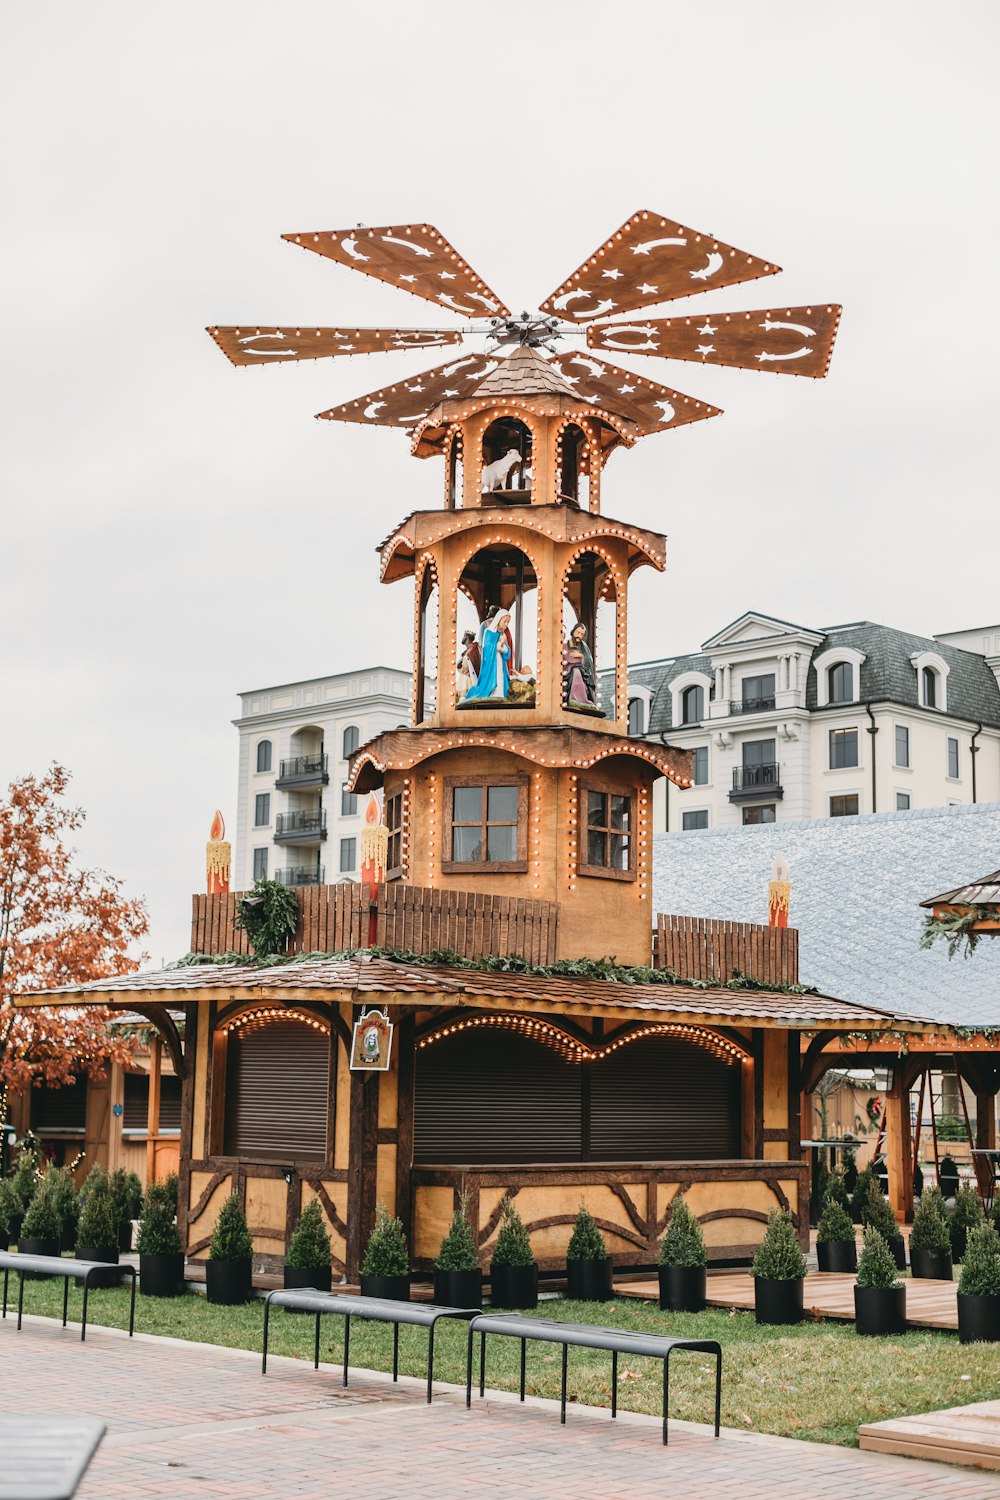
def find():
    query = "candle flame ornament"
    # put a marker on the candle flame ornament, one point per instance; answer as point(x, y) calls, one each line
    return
point(218, 856)
point(779, 892)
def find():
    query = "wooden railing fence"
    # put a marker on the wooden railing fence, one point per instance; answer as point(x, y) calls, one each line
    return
point(710, 948)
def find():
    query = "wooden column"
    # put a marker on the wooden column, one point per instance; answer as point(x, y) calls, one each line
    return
point(362, 1165)
point(777, 1096)
point(153, 1109)
point(405, 1058)
point(899, 1146)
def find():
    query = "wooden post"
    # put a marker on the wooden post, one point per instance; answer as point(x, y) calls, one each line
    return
point(362, 1165)
point(899, 1147)
point(153, 1108)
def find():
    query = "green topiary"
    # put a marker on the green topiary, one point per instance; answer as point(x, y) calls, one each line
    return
point(876, 1213)
point(41, 1222)
point(458, 1248)
point(231, 1237)
point(98, 1227)
point(930, 1223)
point(859, 1197)
point(836, 1189)
point(309, 1248)
point(586, 1242)
point(386, 1254)
point(11, 1207)
point(876, 1265)
point(158, 1233)
point(121, 1196)
point(513, 1246)
point(171, 1186)
point(981, 1267)
point(59, 1181)
point(778, 1255)
point(834, 1225)
point(268, 915)
point(966, 1215)
point(682, 1243)
point(25, 1178)
point(96, 1176)
point(135, 1189)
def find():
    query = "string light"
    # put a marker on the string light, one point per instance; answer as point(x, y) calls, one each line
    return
point(574, 1050)
point(264, 1016)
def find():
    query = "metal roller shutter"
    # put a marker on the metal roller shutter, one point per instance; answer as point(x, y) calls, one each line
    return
point(664, 1099)
point(56, 1110)
point(136, 1114)
point(277, 1082)
point(489, 1096)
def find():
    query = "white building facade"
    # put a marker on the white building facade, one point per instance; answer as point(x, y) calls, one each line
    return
point(295, 820)
point(789, 723)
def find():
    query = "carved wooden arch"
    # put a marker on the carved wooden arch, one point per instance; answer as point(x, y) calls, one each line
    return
point(276, 1009)
point(460, 1012)
point(423, 562)
point(595, 459)
point(164, 1024)
point(701, 1036)
point(499, 535)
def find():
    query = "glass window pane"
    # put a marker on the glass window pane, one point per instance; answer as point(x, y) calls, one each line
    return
point(619, 812)
point(700, 765)
point(467, 804)
point(597, 848)
point(597, 810)
point(501, 804)
point(693, 820)
point(619, 852)
point(501, 841)
point(467, 845)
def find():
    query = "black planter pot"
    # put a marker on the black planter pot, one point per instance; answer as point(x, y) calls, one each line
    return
point(389, 1288)
point(228, 1282)
point(107, 1255)
point(161, 1275)
point(29, 1246)
point(880, 1309)
point(458, 1288)
point(978, 1319)
point(125, 1237)
point(931, 1265)
point(682, 1288)
point(589, 1280)
point(513, 1286)
point(4, 1240)
point(837, 1255)
point(777, 1301)
point(296, 1277)
point(898, 1247)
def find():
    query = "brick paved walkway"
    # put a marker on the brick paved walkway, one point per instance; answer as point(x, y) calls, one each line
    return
point(188, 1420)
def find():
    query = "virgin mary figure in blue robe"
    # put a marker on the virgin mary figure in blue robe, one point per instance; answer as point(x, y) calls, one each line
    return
point(494, 674)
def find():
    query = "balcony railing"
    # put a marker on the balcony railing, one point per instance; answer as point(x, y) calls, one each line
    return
point(751, 705)
point(304, 770)
point(300, 827)
point(303, 875)
point(756, 781)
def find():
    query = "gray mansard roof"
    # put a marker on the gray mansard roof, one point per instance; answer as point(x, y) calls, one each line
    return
point(887, 674)
point(857, 884)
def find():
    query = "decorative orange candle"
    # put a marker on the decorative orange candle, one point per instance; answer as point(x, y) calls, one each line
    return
point(779, 892)
point(217, 856)
point(374, 853)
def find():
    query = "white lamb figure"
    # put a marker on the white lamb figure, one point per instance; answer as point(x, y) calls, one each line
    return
point(496, 475)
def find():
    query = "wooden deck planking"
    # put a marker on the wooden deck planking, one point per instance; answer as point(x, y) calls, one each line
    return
point(826, 1294)
point(968, 1435)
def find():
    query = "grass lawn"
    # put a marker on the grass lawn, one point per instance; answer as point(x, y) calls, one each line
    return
point(818, 1381)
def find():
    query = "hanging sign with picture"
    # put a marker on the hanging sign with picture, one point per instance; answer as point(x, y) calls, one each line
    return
point(372, 1043)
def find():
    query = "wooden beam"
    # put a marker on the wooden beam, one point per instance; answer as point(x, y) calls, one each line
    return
point(899, 1147)
point(815, 1062)
point(160, 1017)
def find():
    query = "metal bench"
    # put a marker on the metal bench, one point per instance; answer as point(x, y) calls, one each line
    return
point(582, 1335)
point(45, 1458)
point(366, 1309)
point(58, 1265)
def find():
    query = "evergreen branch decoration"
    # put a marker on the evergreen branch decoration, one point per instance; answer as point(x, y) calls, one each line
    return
point(269, 916)
point(957, 929)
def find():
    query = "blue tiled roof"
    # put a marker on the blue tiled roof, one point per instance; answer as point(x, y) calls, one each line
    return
point(856, 885)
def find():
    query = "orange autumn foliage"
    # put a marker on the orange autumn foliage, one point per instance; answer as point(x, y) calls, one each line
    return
point(59, 924)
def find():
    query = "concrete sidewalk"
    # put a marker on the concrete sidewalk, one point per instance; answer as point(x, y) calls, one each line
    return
point(188, 1420)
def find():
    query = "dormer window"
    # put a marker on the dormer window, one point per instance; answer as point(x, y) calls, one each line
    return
point(636, 716)
point(928, 687)
point(932, 680)
point(838, 675)
point(693, 704)
point(841, 683)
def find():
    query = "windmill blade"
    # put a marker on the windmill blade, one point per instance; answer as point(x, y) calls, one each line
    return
point(650, 260)
point(261, 346)
point(652, 407)
point(415, 257)
point(789, 340)
point(408, 401)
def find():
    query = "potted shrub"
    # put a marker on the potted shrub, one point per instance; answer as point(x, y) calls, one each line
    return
point(879, 1295)
point(161, 1259)
point(930, 1242)
point(25, 1180)
point(97, 1232)
point(10, 1213)
point(230, 1257)
point(778, 1270)
point(385, 1270)
point(135, 1194)
point(876, 1214)
point(859, 1193)
point(979, 1288)
point(836, 1188)
point(40, 1230)
point(121, 1207)
point(458, 1280)
point(67, 1202)
point(682, 1261)
point(171, 1186)
point(849, 1167)
point(966, 1215)
point(588, 1264)
point(836, 1248)
point(948, 1179)
point(513, 1271)
point(307, 1263)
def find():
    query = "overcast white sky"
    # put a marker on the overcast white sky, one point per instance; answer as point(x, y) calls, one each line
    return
point(175, 530)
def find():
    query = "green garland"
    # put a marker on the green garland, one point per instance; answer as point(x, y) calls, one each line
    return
point(268, 915)
point(957, 928)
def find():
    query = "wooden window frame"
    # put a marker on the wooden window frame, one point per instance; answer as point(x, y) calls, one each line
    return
point(516, 866)
point(602, 872)
point(394, 808)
